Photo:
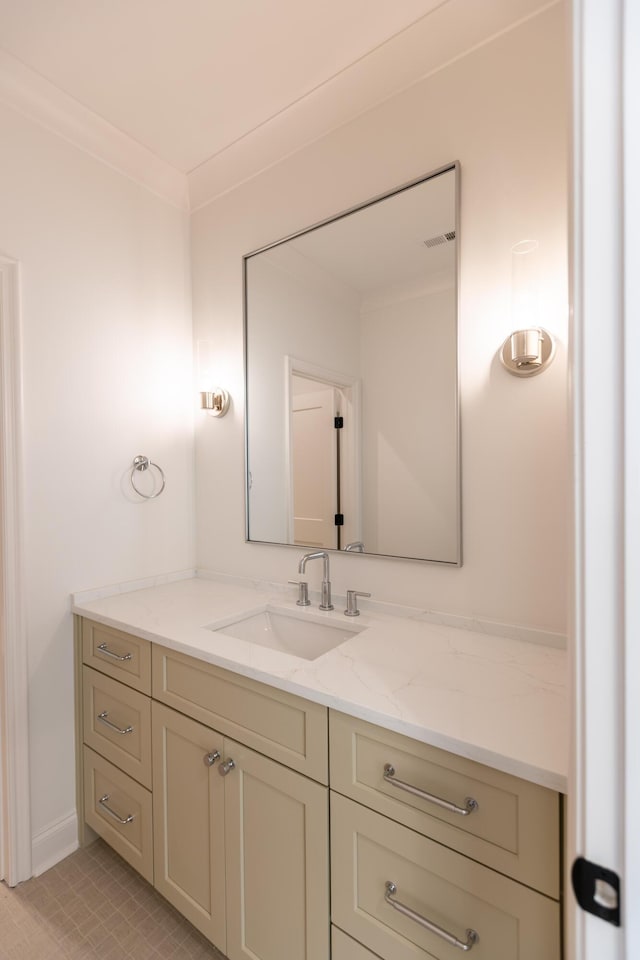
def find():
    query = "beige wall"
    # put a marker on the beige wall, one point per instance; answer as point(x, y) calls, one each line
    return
point(501, 111)
point(107, 365)
point(410, 502)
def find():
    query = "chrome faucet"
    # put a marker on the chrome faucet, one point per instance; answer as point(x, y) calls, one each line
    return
point(325, 602)
point(357, 546)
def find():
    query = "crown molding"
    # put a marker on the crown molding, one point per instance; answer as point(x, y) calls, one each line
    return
point(451, 31)
point(24, 90)
point(448, 33)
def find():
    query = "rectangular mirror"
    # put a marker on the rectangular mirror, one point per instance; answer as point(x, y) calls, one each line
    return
point(351, 362)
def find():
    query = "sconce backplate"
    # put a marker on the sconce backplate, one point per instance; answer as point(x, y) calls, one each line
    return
point(547, 351)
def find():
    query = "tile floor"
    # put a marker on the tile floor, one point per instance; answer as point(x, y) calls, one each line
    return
point(93, 906)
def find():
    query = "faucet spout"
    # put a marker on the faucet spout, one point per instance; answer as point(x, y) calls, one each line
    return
point(318, 555)
point(325, 603)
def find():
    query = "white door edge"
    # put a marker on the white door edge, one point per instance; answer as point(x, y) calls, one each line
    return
point(15, 803)
point(597, 796)
point(631, 177)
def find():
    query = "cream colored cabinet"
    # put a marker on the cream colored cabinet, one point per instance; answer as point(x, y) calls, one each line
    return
point(277, 856)
point(406, 896)
point(216, 788)
point(499, 820)
point(113, 673)
point(439, 855)
point(119, 810)
point(243, 855)
point(117, 724)
point(120, 655)
point(284, 727)
point(189, 815)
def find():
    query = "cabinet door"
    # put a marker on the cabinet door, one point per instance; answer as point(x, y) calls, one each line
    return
point(277, 842)
point(188, 808)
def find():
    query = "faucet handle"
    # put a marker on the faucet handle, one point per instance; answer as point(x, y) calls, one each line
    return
point(303, 592)
point(352, 603)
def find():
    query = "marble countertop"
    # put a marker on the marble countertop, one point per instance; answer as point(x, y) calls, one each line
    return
point(494, 699)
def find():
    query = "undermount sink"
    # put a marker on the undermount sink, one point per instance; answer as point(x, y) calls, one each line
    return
point(298, 634)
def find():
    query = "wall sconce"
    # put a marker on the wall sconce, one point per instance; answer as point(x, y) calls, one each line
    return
point(530, 349)
point(527, 352)
point(214, 400)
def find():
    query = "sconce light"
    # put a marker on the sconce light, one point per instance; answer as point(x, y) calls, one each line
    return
point(531, 349)
point(214, 400)
point(527, 352)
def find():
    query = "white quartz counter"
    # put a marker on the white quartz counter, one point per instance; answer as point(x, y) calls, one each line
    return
point(496, 700)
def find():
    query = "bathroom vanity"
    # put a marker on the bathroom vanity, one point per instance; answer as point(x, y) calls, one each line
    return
point(340, 806)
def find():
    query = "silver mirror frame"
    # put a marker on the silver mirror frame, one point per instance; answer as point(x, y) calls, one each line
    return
point(455, 167)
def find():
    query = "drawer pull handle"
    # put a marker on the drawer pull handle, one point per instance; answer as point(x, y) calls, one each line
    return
point(103, 803)
point(226, 767)
point(469, 804)
point(103, 718)
point(103, 648)
point(210, 758)
point(472, 936)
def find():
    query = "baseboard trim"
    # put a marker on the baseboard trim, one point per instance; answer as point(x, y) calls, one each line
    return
point(54, 843)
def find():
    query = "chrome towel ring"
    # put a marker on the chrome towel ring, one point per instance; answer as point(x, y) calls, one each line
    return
point(143, 463)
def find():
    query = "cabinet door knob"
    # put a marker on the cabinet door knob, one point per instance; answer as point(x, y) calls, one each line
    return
point(226, 767)
point(210, 758)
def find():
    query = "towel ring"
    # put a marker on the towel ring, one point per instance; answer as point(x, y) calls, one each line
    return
point(143, 463)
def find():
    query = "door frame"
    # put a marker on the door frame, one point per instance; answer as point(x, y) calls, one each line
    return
point(15, 800)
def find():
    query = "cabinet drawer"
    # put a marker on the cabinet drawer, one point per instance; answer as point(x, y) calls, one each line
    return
point(369, 851)
point(117, 724)
point(280, 725)
point(120, 655)
point(514, 829)
point(119, 809)
point(344, 948)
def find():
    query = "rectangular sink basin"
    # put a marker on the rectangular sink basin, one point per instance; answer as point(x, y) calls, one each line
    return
point(298, 635)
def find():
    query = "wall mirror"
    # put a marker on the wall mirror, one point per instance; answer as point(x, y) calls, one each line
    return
point(351, 369)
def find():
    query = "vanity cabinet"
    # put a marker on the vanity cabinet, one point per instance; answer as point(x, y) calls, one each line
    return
point(189, 821)
point(114, 673)
point(244, 856)
point(425, 847)
point(428, 854)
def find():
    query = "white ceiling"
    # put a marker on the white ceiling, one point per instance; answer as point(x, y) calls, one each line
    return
point(188, 77)
point(217, 90)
